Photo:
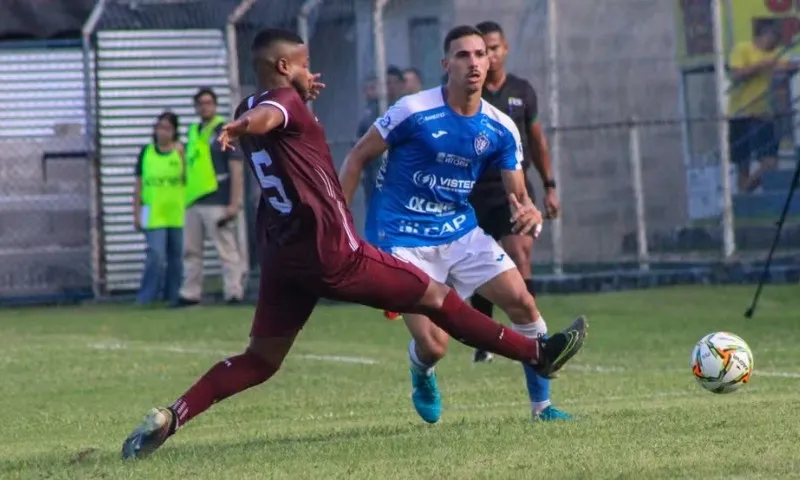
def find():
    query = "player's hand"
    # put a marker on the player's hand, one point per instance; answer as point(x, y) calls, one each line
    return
point(315, 86)
point(551, 206)
point(231, 131)
point(137, 222)
point(527, 219)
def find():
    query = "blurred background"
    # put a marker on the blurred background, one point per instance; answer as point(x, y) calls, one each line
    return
point(633, 95)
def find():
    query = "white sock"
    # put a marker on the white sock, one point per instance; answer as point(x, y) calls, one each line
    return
point(538, 407)
point(416, 363)
point(532, 330)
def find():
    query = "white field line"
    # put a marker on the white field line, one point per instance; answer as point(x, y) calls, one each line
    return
point(599, 369)
point(223, 353)
point(372, 361)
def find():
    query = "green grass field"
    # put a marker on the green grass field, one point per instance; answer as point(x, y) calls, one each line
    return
point(76, 380)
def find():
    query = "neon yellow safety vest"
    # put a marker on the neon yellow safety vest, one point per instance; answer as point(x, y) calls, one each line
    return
point(163, 203)
point(201, 179)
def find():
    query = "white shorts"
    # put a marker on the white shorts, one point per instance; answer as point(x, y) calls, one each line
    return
point(464, 264)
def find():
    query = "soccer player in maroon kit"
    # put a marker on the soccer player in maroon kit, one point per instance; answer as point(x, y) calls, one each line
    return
point(308, 250)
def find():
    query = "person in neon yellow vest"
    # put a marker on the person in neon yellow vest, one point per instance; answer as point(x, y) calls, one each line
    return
point(158, 211)
point(214, 191)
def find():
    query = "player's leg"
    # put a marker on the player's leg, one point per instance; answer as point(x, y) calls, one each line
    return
point(520, 249)
point(155, 260)
point(740, 150)
point(193, 236)
point(765, 148)
point(174, 276)
point(428, 345)
point(495, 277)
point(428, 342)
point(379, 280)
point(281, 313)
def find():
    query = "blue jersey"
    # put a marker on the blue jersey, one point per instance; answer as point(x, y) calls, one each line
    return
point(435, 157)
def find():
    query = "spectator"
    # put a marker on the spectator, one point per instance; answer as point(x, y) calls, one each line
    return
point(413, 80)
point(395, 88)
point(158, 211)
point(754, 64)
point(214, 195)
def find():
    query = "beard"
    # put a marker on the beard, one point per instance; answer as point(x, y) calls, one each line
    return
point(301, 87)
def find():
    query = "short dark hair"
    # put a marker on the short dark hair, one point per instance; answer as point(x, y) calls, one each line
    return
point(460, 31)
point(415, 71)
point(766, 25)
point(203, 92)
point(270, 36)
point(172, 119)
point(394, 71)
point(489, 26)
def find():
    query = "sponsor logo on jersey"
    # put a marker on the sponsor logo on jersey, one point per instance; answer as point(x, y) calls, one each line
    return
point(428, 207)
point(385, 121)
point(424, 179)
point(454, 160)
point(481, 143)
point(514, 102)
point(421, 118)
point(486, 123)
point(429, 180)
point(451, 226)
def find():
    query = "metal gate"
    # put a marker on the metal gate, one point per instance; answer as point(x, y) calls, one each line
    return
point(45, 250)
point(139, 75)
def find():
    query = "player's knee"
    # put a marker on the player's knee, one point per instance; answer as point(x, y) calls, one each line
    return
point(433, 299)
point(520, 256)
point(522, 308)
point(432, 347)
point(272, 351)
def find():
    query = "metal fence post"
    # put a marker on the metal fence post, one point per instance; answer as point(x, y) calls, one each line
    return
point(380, 53)
point(555, 137)
point(302, 26)
point(233, 49)
point(90, 138)
point(635, 159)
point(728, 239)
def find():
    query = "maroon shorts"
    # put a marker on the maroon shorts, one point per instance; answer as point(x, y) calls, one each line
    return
point(368, 276)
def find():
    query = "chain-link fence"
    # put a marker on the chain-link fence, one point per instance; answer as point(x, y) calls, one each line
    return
point(151, 57)
point(45, 220)
point(627, 95)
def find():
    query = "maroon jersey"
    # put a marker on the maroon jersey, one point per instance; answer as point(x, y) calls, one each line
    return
point(302, 207)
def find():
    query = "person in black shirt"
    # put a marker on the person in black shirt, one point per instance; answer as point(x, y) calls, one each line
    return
point(515, 97)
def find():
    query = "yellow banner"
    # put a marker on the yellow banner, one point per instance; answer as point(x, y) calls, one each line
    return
point(694, 19)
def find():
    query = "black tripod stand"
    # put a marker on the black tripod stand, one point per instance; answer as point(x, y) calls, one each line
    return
point(764, 274)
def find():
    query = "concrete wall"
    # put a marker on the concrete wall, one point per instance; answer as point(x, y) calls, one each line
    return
point(616, 60)
point(44, 218)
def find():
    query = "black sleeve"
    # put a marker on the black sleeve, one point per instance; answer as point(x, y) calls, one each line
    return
point(531, 105)
point(139, 162)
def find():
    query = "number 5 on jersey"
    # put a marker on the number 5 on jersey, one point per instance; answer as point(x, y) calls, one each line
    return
point(261, 163)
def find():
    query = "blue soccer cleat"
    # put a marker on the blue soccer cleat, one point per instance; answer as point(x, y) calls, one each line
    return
point(149, 435)
point(550, 414)
point(425, 395)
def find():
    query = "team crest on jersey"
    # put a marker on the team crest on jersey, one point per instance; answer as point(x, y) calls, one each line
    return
point(481, 143)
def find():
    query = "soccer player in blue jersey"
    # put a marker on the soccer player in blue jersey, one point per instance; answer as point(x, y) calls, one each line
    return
point(440, 141)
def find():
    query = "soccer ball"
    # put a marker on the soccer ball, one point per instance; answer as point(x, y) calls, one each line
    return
point(721, 362)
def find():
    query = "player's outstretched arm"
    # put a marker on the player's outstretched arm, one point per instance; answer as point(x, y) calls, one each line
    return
point(257, 121)
point(369, 148)
point(527, 219)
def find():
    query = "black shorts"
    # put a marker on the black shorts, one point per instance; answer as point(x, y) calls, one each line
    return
point(494, 213)
point(751, 138)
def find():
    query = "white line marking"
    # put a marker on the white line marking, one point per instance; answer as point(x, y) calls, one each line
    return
point(223, 353)
point(601, 369)
point(371, 361)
